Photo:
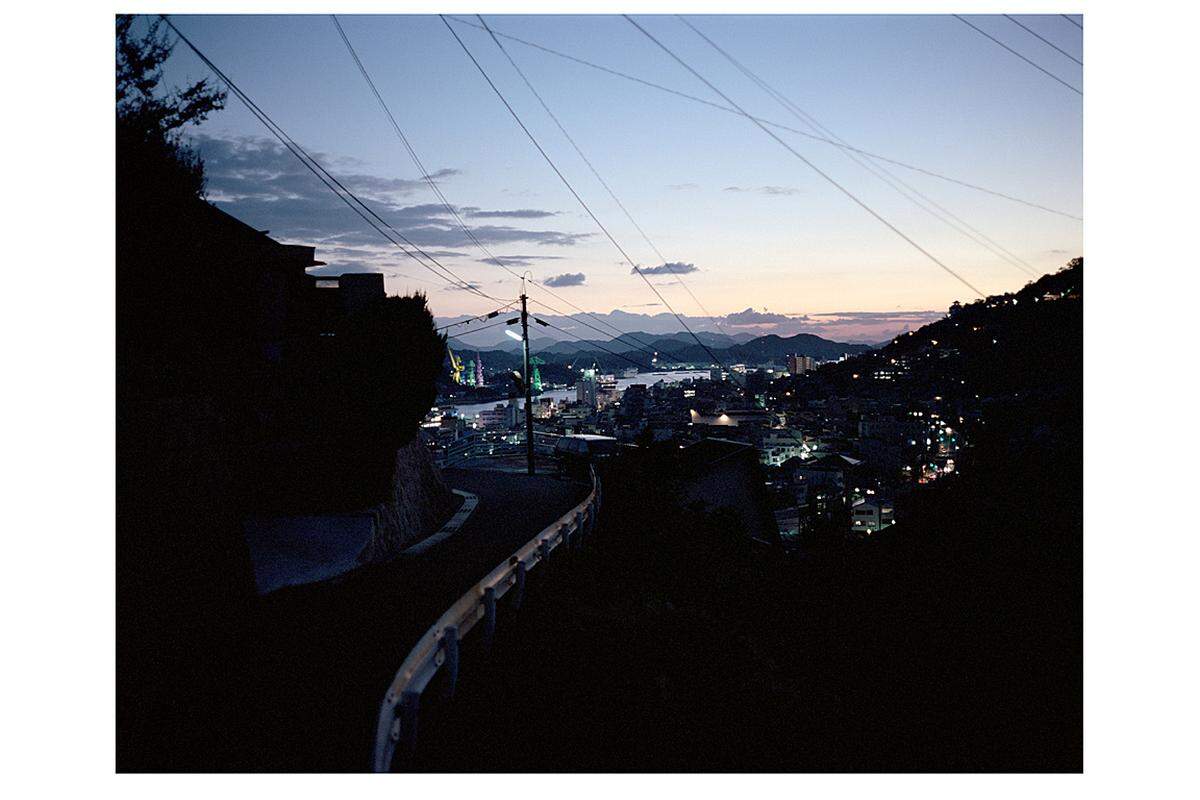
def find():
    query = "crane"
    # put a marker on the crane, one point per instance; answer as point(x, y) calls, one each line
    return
point(456, 367)
point(536, 379)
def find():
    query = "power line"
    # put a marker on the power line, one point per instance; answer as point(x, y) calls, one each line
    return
point(780, 126)
point(1029, 61)
point(345, 195)
point(1020, 24)
point(589, 342)
point(404, 139)
point(1071, 20)
point(561, 176)
point(478, 317)
point(879, 171)
point(596, 173)
point(492, 258)
point(810, 164)
point(476, 330)
point(715, 358)
point(564, 180)
point(637, 343)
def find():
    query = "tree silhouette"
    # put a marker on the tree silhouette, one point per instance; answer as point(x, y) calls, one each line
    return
point(151, 155)
point(354, 402)
point(390, 355)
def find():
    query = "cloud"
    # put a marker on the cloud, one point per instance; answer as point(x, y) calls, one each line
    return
point(516, 213)
point(518, 261)
point(918, 317)
point(752, 317)
point(566, 279)
point(669, 268)
point(767, 190)
point(468, 286)
point(682, 187)
point(443, 173)
point(261, 183)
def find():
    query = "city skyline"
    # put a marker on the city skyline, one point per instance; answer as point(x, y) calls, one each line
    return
point(697, 186)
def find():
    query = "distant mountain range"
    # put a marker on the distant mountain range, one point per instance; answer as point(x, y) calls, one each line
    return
point(742, 348)
point(495, 339)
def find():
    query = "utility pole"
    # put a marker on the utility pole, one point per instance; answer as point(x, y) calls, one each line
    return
point(528, 382)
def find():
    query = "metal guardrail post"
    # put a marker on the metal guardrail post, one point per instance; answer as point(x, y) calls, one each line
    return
point(489, 617)
point(519, 586)
point(450, 648)
point(404, 731)
point(563, 542)
point(396, 728)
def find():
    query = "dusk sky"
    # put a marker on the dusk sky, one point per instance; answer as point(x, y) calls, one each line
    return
point(760, 230)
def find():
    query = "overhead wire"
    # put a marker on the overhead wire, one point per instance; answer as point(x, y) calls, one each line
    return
point(904, 188)
point(450, 208)
point(1034, 33)
point(596, 173)
point(475, 330)
point(1024, 58)
point(598, 346)
point(348, 197)
point(778, 125)
point(479, 317)
point(809, 163)
point(567, 183)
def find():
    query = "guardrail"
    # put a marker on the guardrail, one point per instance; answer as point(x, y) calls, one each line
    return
point(438, 648)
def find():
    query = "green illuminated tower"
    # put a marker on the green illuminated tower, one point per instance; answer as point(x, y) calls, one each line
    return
point(536, 380)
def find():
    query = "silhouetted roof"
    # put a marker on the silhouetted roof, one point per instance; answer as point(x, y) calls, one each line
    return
point(302, 256)
point(710, 451)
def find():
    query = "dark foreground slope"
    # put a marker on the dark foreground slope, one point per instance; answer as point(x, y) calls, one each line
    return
point(952, 646)
point(951, 643)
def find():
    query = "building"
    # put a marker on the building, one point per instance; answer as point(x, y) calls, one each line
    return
point(354, 290)
point(798, 365)
point(871, 515)
point(756, 387)
point(778, 445)
point(545, 408)
point(587, 388)
point(502, 416)
point(737, 417)
point(827, 473)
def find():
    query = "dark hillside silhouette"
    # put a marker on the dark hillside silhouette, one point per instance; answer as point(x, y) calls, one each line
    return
point(242, 385)
point(949, 642)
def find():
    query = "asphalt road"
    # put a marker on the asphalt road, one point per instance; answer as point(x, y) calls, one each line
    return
point(306, 679)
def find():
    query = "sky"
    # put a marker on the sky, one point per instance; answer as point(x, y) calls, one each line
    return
point(764, 242)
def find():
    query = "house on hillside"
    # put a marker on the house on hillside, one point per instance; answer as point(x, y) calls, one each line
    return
point(212, 315)
point(829, 475)
point(871, 515)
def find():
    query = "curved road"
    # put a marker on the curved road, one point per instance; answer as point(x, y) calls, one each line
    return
point(305, 686)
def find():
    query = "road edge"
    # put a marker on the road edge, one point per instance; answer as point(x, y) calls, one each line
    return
point(452, 526)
